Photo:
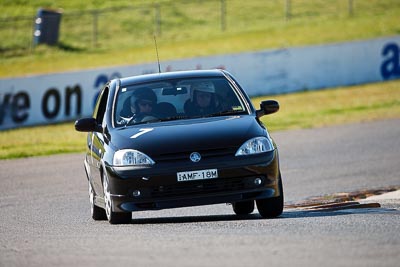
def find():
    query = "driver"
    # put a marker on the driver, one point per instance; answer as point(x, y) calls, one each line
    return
point(141, 105)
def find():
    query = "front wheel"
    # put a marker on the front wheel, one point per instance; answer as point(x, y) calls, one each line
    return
point(271, 207)
point(113, 217)
point(96, 212)
point(244, 207)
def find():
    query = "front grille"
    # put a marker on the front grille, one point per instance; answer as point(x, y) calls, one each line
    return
point(205, 154)
point(205, 187)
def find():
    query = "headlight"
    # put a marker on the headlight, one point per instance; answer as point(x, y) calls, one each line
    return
point(255, 146)
point(130, 157)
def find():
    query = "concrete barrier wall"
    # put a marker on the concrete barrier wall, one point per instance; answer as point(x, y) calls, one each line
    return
point(50, 98)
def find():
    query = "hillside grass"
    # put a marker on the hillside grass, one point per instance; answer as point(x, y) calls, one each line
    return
point(297, 111)
point(337, 106)
point(189, 29)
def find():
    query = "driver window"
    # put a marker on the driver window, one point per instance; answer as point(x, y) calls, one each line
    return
point(101, 106)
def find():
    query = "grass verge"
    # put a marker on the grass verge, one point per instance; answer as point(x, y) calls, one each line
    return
point(343, 105)
point(298, 111)
point(258, 25)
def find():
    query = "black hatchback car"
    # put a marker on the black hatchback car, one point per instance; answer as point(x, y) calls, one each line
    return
point(179, 139)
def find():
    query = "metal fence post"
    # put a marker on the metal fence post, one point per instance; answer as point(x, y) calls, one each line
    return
point(32, 44)
point(287, 10)
point(223, 15)
point(157, 10)
point(95, 20)
point(350, 8)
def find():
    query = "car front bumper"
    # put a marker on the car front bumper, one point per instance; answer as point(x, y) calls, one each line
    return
point(156, 187)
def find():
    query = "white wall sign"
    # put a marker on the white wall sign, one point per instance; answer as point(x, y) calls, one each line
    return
point(50, 98)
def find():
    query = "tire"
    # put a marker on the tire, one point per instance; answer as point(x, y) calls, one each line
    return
point(113, 217)
point(271, 207)
point(244, 207)
point(97, 213)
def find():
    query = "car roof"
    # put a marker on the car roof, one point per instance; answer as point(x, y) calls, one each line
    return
point(171, 75)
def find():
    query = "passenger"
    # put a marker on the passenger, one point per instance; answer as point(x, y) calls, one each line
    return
point(203, 100)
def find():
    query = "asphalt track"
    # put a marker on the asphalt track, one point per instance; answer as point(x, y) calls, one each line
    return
point(45, 212)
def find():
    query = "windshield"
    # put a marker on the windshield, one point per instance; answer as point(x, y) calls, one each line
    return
point(175, 100)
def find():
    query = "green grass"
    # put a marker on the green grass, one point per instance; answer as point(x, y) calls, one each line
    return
point(41, 140)
point(335, 106)
point(298, 111)
point(188, 29)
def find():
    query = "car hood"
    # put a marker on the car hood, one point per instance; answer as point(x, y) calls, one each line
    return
point(188, 135)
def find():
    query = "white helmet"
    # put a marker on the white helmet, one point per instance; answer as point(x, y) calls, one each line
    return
point(205, 86)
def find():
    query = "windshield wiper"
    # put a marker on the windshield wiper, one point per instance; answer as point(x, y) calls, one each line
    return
point(182, 117)
point(172, 118)
point(224, 113)
point(143, 122)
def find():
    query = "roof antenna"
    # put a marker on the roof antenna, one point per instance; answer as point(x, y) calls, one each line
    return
point(158, 59)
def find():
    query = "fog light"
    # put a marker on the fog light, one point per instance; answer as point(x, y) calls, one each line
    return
point(136, 193)
point(257, 181)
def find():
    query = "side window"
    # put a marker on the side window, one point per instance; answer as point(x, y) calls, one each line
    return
point(101, 106)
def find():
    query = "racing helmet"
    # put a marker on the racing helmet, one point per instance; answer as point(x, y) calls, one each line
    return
point(142, 94)
point(204, 86)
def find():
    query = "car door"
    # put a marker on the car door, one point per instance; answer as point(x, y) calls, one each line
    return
point(97, 142)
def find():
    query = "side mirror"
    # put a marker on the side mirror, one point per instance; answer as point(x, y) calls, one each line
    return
point(267, 107)
point(87, 125)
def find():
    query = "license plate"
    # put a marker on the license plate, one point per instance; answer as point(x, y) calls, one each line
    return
point(197, 175)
